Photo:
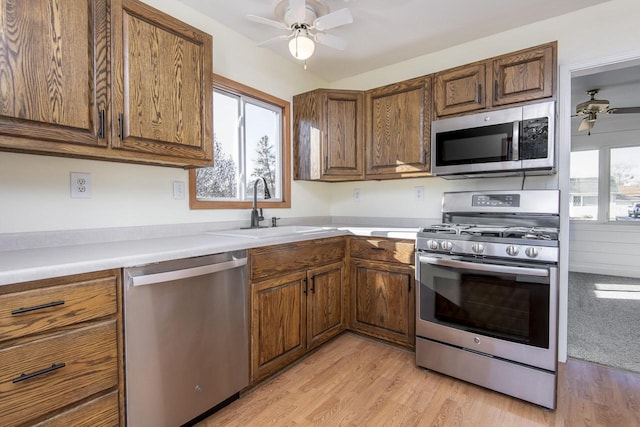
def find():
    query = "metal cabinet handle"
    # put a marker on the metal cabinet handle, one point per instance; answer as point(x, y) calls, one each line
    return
point(313, 284)
point(51, 368)
point(529, 271)
point(36, 307)
point(168, 276)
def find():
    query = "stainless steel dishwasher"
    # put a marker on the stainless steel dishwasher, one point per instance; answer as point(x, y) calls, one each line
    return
point(186, 337)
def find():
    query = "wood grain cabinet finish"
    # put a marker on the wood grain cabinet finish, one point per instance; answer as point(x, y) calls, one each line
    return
point(162, 95)
point(104, 79)
point(298, 300)
point(61, 351)
point(328, 142)
point(53, 75)
point(517, 77)
point(398, 123)
point(383, 290)
point(524, 75)
point(460, 90)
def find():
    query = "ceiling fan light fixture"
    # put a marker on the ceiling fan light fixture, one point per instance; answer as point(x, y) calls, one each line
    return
point(301, 46)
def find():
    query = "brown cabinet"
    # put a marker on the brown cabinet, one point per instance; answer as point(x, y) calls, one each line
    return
point(521, 76)
point(525, 75)
point(104, 79)
point(460, 90)
point(328, 141)
point(61, 351)
point(398, 123)
point(54, 74)
point(162, 95)
point(297, 301)
point(383, 289)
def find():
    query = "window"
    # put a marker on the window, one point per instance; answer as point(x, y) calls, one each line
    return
point(250, 142)
point(605, 184)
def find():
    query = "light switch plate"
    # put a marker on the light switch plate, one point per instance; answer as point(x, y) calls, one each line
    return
point(178, 190)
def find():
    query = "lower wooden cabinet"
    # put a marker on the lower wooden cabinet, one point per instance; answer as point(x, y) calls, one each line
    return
point(293, 311)
point(382, 282)
point(61, 352)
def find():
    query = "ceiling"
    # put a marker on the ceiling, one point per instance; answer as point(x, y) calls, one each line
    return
point(385, 32)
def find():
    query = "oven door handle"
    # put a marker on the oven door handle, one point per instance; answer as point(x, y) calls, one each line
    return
point(493, 268)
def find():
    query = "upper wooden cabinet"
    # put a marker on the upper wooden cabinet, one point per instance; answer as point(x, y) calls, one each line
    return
point(521, 76)
point(328, 141)
point(162, 95)
point(53, 74)
point(398, 123)
point(525, 75)
point(460, 89)
point(104, 79)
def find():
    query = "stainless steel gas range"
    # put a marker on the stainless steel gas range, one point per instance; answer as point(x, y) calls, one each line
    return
point(487, 302)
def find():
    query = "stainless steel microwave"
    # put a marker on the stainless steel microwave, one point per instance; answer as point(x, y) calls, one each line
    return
point(495, 142)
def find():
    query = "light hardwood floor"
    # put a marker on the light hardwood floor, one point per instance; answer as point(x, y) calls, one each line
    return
point(355, 381)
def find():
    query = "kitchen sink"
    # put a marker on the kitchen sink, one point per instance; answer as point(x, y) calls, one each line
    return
point(267, 232)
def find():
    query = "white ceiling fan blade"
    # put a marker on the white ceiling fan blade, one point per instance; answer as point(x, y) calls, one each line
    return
point(333, 20)
point(268, 41)
point(586, 124)
point(298, 10)
point(331, 41)
point(265, 21)
point(624, 110)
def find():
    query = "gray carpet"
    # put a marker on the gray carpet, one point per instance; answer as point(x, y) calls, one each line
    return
point(604, 330)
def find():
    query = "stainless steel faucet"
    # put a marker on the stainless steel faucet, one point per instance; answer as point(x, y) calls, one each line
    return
point(256, 216)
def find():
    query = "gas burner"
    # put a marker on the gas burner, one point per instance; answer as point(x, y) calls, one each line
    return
point(484, 231)
point(532, 233)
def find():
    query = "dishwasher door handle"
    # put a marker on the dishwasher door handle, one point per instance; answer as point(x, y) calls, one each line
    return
point(150, 279)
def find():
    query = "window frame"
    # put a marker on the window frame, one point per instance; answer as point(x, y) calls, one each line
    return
point(228, 85)
point(604, 185)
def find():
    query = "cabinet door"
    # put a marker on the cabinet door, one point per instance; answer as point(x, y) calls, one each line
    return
point(383, 301)
point(524, 75)
point(325, 303)
point(162, 94)
point(460, 89)
point(53, 74)
point(278, 323)
point(328, 129)
point(398, 129)
point(344, 136)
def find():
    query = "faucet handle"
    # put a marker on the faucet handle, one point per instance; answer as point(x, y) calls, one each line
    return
point(274, 221)
point(260, 216)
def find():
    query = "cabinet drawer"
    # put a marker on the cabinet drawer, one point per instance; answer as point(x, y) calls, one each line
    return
point(295, 257)
point(44, 309)
point(51, 373)
point(102, 411)
point(389, 250)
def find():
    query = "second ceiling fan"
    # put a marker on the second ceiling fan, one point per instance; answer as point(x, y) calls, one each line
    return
point(590, 109)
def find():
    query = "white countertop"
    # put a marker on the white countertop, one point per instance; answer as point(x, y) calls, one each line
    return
point(42, 263)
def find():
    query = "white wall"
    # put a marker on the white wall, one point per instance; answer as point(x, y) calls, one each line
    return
point(34, 190)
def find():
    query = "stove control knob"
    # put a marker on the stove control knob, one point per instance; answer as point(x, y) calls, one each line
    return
point(433, 245)
point(531, 252)
point(446, 245)
point(512, 250)
point(477, 248)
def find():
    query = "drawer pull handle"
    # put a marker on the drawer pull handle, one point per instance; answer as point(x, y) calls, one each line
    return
point(375, 248)
point(51, 368)
point(37, 307)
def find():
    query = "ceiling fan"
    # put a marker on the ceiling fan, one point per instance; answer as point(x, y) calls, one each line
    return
point(307, 22)
point(591, 108)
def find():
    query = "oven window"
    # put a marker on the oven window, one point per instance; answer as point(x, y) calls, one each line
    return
point(512, 308)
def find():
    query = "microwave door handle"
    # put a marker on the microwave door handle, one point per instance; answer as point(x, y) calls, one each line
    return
point(489, 268)
point(515, 144)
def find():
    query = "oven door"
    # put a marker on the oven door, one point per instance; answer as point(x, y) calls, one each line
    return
point(502, 310)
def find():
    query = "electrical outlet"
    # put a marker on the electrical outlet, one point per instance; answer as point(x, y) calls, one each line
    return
point(80, 185)
point(356, 194)
point(178, 190)
point(418, 193)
